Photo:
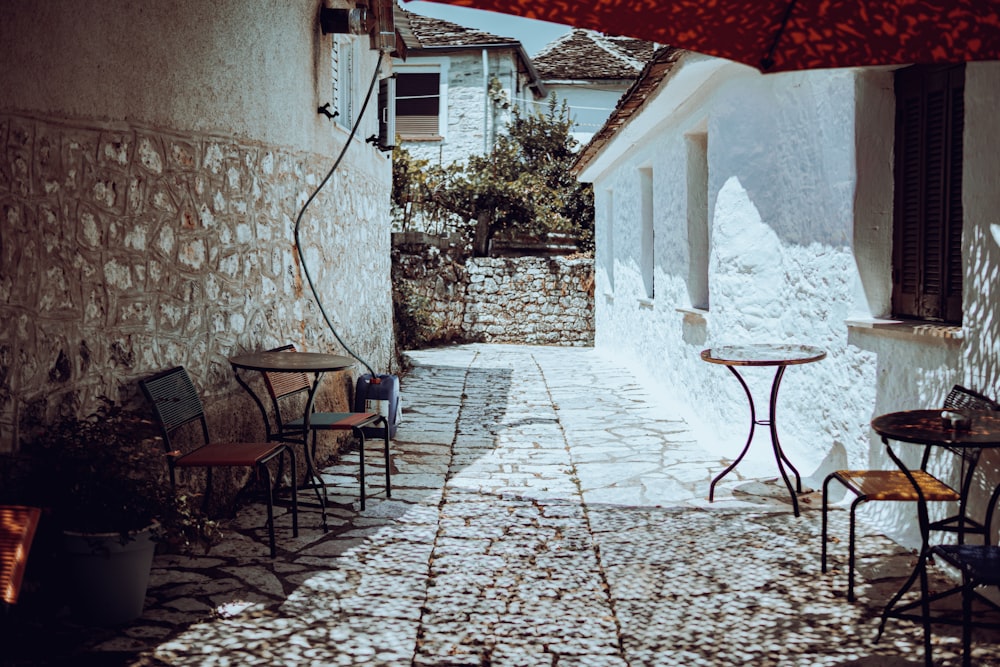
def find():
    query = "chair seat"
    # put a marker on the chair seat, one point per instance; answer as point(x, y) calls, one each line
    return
point(980, 562)
point(229, 454)
point(334, 420)
point(894, 485)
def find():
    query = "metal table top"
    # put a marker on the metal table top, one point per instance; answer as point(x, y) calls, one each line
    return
point(762, 354)
point(926, 427)
point(307, 362)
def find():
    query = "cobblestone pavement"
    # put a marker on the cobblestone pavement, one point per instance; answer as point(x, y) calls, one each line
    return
point(546, 510)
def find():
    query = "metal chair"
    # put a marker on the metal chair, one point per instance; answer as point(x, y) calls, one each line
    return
point(176, 404)
point(893, 485)
point(284, 388)
point(979, 565)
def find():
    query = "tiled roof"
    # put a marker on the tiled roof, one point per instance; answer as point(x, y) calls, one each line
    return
point(658, 68)
point(423, 32)
point(586, 54)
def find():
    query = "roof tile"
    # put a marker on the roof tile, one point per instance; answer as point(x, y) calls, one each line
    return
point(586, 54)
point(421, 32)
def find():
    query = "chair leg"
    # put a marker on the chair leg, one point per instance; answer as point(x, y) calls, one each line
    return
point(925, 613)
point(823, 530)
point(851, 542)
point(265, 476)
point(388, 464)
point(361, 453)
point(295, 484)
point(967, 589)
point(318, 486)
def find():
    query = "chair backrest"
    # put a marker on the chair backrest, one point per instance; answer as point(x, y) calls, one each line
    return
point(960, 398)
point(284, 385)
point(175, 402)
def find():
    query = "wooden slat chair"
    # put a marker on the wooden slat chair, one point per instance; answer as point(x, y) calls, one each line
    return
point(176, 404)
point(893, 485)
point(288, 389)
point(17, 532)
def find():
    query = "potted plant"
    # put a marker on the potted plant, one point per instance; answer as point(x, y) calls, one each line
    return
point(103, 481)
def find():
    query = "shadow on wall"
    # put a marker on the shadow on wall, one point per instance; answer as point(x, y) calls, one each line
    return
point(981, 356)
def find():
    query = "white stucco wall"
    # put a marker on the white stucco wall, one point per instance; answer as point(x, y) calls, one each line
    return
point(799, 207)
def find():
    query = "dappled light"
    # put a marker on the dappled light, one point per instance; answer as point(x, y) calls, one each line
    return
point(546, 507)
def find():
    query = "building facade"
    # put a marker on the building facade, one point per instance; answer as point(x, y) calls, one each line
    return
point(734, 207)
point(590, 72)
point(455, 87)
point(155, 164)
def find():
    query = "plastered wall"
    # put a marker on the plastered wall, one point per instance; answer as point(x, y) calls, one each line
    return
point(155, 158)
point(799, 192)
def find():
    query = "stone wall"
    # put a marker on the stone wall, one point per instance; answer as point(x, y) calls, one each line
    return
point(125, 250)
point(533, 300)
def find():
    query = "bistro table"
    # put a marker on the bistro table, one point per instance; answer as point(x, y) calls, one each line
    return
point(317, 363)
point(930, 429)
point(781, 357)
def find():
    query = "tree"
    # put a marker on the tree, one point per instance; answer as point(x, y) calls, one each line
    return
point(523, 184)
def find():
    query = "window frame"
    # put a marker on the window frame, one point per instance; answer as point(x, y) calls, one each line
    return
point(437, 66)
point(344, 68)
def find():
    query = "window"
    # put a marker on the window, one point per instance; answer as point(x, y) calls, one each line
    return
point(697, 219)
point(927, 212)
point(609, 240)
point(418, 104)
point(648, 239)
point(343, 80)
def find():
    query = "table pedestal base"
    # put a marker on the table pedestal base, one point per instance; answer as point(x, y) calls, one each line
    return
point(779, 455)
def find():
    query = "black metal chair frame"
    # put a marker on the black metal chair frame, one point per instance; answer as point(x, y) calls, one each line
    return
point(176, 404)
point(896, 487)
point(979, 565)
point(284, 386)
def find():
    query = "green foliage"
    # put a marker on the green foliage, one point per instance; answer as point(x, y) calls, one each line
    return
point(106, 473)
point(524, 184)
point(415, 324)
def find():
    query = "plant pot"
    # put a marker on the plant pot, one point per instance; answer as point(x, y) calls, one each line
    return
point(108, 579)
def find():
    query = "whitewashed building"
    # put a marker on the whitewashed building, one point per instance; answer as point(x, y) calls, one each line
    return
point(455, 87)
point(590, 72)
point(735, 207)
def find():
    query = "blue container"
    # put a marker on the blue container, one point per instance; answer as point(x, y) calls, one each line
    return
point(379, 393)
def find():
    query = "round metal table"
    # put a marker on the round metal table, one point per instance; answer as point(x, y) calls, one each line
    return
point(317, 363)
point(780, 356)
point(306, 362)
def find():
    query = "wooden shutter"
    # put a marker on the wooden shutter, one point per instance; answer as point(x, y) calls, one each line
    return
point(927, 217)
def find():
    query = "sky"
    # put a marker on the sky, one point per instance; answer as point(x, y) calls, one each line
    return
point(532, 34)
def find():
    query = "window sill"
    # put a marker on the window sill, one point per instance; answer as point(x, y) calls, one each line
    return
point(694, 315)
point(911, 329)
point(609, 297)
point(646, 304)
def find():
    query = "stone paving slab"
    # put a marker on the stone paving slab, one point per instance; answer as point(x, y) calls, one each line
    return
point(546, 510)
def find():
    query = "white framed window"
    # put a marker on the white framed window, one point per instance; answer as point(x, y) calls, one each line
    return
point(344, 84)
point(647, 254)
point(609, 239)
point(422, 100)
point(697, 219)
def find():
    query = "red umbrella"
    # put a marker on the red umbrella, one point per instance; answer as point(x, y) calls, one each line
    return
point(777, 35)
